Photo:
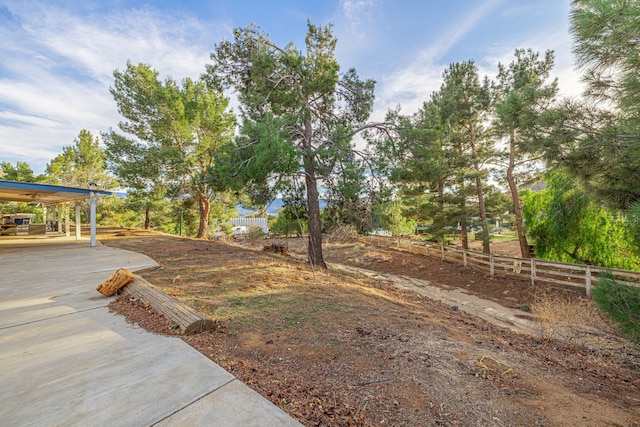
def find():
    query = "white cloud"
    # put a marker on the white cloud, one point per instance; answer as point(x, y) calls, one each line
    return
point(459, 29)
point(58, 67)
point(411, 85)
point(358, 14)
point(408, 88)
point(556, 39)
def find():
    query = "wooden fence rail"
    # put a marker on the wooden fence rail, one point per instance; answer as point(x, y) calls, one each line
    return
point(533, 270)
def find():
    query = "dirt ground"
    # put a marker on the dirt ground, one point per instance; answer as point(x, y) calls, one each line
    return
point(335, 349)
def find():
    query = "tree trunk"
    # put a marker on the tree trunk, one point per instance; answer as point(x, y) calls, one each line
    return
point(524, 245)
point(441, 206)
point(464, 236)
point(486, 246)
point(147, 218)
point(204, 207)
point(313, 218)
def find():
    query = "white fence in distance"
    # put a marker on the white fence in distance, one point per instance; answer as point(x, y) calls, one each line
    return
point(531, 269)
point(244, 223)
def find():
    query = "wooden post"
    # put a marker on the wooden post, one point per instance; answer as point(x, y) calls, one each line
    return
point(464, 257)
point(533, 270)
point(442, 251)
point(588, 279)
point(426, 249)
point(491, 266)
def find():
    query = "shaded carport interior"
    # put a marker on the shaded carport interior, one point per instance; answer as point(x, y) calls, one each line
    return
point(49, 195)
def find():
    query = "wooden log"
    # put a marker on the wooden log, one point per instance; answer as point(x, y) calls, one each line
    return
point(115, 282)
point(190, 321)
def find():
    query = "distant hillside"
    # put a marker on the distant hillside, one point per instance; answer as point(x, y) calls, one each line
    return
point(273, 208)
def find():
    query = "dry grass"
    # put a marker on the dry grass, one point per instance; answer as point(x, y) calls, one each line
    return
point(575, 321)
point(343, 233)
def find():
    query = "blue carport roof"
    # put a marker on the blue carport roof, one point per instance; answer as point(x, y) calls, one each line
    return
point(48, 194)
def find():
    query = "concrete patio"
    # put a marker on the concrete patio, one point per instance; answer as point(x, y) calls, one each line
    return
point(66, 360)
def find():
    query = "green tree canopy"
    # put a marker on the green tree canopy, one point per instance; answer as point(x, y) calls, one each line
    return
point(603, 146)
point(81, 164)
point(174, 133)
point(439, 155)
point(20, 172)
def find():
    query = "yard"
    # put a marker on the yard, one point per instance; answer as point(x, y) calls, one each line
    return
point(332, 348)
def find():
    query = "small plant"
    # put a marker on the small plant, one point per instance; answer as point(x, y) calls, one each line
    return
point(621, 302)
point(254, 233)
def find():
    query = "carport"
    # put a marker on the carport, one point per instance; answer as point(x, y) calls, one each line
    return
point(55, 199)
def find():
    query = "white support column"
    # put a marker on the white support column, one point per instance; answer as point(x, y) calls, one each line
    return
point(59, 218)
point(78, 221)
point(44, 217)
point(67, 220)
point(93, 201)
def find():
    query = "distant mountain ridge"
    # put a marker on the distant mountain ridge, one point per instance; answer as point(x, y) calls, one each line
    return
point(272, 209)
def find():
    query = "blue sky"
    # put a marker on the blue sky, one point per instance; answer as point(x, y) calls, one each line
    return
point(57, 57)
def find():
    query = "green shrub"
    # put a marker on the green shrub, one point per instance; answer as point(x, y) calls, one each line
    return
point(621, 302)
point(283, 226)
point(254, 233)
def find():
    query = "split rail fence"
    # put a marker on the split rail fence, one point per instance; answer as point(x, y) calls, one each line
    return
point(531, 269)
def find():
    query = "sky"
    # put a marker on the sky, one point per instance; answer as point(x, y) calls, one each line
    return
point(57, 57)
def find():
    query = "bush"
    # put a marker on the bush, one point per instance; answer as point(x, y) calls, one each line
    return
point(621, 302)
point(392, 218)
point(283, 226)
point(254, 233)
point(344, 233)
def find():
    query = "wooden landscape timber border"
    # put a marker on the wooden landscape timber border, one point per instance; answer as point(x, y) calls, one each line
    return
point(531, 269)
point(190, 321)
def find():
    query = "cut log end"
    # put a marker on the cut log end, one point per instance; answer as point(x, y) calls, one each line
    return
point(115, 282)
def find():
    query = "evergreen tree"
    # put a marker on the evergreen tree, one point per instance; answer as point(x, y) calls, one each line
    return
point(81, 164)
point(177, 133)
point(299, 113)
point(604, 149)
point(523, 95)
point(464, 102)
point(20, 172)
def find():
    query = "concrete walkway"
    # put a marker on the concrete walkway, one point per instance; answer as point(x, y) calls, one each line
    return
point(485, 309)
point(66, 360)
